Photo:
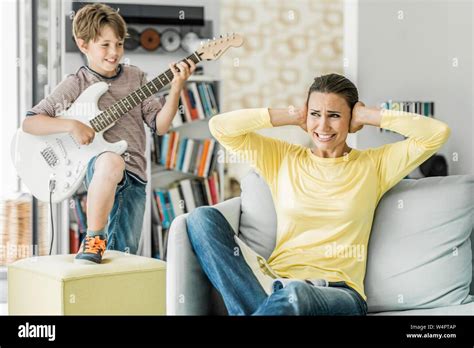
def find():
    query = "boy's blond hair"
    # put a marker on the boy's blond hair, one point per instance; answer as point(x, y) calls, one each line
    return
point(91, 19)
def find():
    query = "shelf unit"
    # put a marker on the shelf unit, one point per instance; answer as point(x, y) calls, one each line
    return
point(160, 177)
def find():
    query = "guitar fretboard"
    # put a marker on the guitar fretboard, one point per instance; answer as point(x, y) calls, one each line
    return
point(124, 105)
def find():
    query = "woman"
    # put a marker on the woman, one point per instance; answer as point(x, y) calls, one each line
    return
point(325, 199)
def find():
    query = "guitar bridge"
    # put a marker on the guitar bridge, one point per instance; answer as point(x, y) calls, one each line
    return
point(50, 157)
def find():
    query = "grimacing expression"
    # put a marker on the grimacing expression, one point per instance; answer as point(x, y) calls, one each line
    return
point(328, 119)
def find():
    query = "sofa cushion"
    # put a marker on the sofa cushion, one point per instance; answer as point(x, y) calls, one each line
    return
point(258, 221)
point(464, 309)
point(419, 253)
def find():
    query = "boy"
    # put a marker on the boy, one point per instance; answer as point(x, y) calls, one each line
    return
point(115, 184)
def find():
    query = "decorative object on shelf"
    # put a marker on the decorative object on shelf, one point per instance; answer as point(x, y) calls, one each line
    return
point(60, 163)
point(161, 16)
point(190, 42)
point(436, 165)
point(150, 39)
point(170, 40)
point(133, 41)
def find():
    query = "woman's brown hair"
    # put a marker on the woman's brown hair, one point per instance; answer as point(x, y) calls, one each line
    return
point(338, 84)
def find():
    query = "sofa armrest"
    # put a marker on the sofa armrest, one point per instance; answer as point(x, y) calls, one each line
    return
point(188, 291)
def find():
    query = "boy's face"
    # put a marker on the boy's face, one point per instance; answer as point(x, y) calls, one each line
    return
point(105, 53)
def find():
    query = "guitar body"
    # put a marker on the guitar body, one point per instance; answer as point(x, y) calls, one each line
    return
point(58, 157)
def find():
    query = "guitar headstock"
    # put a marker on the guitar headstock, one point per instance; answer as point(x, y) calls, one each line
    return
point(213, 49)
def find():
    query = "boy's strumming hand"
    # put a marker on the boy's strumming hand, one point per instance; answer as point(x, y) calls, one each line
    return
point(82, 133)
point(186, 68)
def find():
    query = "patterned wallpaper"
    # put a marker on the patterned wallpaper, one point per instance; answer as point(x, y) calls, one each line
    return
point(287, 44)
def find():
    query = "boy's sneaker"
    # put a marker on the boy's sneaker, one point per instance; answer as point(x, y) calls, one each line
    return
point(91, 250)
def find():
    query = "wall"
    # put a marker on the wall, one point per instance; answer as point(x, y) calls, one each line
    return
point(419, 50)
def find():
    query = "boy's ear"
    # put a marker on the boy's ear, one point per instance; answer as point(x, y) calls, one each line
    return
point(82, 45)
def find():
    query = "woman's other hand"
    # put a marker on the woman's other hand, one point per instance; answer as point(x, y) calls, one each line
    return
point(356, 117)
point(300, 115)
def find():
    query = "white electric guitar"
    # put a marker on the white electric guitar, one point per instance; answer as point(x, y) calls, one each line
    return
point(56, 164)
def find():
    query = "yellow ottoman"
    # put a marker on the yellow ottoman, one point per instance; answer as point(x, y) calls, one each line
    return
point(123, 284)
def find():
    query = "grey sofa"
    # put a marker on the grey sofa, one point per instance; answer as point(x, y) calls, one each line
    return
point(419, 253)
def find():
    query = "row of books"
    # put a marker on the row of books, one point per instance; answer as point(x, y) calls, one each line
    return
point(417, 107)
point(185, 196)
point(194, 156)
point(197, 102)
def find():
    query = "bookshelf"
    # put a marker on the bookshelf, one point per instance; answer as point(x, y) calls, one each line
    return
point(170, 179)
point(425, 108)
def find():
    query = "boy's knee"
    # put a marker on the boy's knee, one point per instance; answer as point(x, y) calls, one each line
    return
point(110, 166)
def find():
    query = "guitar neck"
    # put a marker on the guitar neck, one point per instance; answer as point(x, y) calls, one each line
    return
point(124, 105)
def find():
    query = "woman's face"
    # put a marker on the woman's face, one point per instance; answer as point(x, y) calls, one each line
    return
point(328, 122)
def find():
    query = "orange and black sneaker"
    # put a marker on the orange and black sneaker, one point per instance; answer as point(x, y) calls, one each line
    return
point(91, 250)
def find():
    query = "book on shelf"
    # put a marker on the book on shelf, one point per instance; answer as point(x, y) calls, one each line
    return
point(197, 101)
point(74, 238)
point(417, 107)
point(78, 224)
point(184, 196)
point(156, 232)
point(194, 156)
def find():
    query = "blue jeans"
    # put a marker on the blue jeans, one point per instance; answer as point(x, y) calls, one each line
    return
point(124, 226)
point(212, 240)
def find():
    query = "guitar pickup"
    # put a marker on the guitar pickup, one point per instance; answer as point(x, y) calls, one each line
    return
point(50, 156)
